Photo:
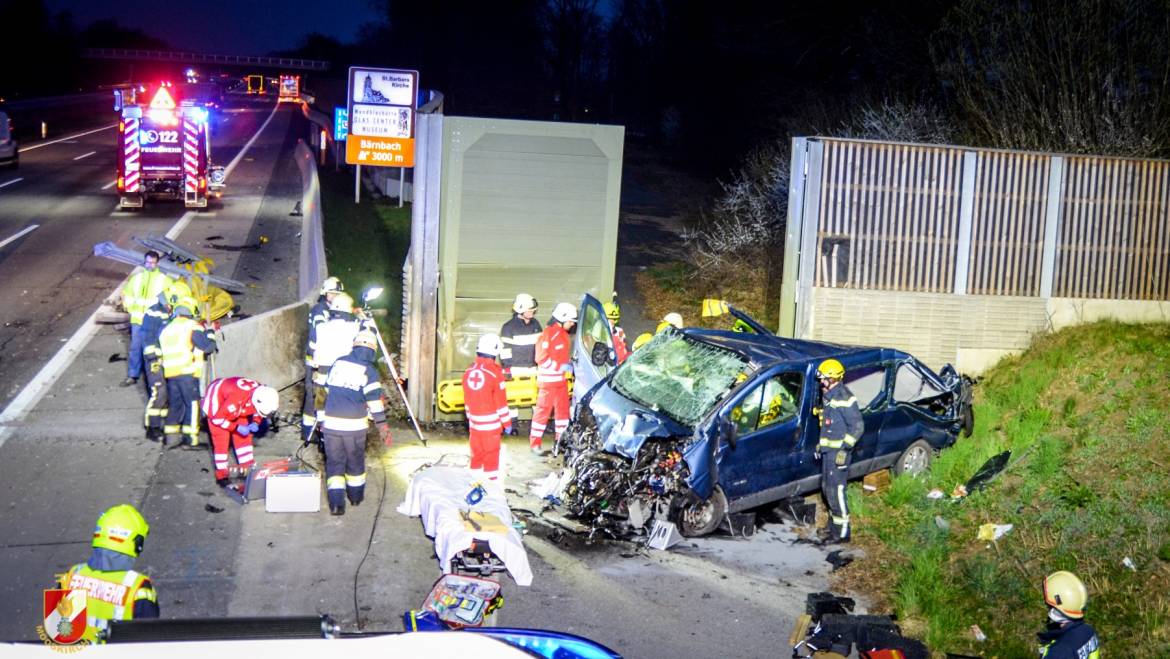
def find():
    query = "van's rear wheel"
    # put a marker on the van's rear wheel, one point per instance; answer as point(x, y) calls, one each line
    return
point(914, 460)
point(697, 517)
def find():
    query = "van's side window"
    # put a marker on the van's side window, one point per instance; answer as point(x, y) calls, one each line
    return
point(775, 401)
point(867, 382)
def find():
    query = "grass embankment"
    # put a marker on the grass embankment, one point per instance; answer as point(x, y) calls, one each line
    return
point(1085, 413)
point(365, 245)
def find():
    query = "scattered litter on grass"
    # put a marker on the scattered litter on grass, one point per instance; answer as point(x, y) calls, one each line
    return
point(987, 473)
point(978, 634)
point(959, 492)
point(935, 494)
point(838, 560)
point(1128, 562)
point(992, 532)
point(942, 523)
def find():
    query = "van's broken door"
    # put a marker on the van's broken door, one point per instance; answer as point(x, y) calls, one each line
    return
point(594, 356)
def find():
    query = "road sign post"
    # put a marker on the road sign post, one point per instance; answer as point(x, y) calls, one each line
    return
point(380, 110)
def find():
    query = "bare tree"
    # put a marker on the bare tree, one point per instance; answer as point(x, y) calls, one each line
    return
point(574, 42)
point(1063, 75)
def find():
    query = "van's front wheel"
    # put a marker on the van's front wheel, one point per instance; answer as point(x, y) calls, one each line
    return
point(696, 517)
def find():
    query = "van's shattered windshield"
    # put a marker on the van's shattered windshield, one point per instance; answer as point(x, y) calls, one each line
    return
point(678, 377)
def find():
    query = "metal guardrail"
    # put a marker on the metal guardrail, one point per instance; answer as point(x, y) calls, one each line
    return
point(205, 58)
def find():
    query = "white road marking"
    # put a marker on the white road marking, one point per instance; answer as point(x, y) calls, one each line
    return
point(109, 185)
point(85, 155)
point(227, 172)
point(32, 392)
point(8, 183)
point(29, 229)
point(88, 132)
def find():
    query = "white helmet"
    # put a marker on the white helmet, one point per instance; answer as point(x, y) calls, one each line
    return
point(365, 339)
point(524, 302)
point(265, 400)
point(331, 285)
point(489, 344)
point(564, 312)
point(673, 318)
point(341, 302)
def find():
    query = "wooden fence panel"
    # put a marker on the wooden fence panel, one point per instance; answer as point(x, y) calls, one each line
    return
point(890, 216)
point(1011, 191)
point(1113, 240)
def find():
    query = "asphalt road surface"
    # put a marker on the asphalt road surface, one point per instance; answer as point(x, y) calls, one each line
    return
point(77, 448)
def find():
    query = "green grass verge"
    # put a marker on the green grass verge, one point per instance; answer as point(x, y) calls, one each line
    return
point(1085, 413)
point(365, 245)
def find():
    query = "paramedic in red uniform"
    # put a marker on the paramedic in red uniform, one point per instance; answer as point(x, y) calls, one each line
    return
point(485, 402)
point(234, 408)
point(552, 368)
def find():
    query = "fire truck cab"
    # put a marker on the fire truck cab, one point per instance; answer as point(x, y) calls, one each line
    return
point(165, 152)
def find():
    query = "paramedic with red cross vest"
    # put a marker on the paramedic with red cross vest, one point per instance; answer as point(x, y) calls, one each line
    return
point(553, 351)
point(841, 429)
point(234, 408)
point(485, 402)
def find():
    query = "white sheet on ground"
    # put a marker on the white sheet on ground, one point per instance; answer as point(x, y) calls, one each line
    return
point(438, 496)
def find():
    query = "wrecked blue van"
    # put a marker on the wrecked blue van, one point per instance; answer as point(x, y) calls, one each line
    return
point(699, 423)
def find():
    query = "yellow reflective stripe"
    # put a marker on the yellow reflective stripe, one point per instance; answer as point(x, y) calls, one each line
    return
point(335, 483)
point(832, 443)
point(843, 403)
point(342, 423)
point(850, 440)
point(354, 481)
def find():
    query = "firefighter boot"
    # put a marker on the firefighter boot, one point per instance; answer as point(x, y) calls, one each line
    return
point(154, 434)
point(336, 510)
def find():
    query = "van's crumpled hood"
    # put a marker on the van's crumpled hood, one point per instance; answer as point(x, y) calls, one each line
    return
point(624, 425)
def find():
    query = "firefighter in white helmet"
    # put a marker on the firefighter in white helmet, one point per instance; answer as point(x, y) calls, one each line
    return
point(317, 315)
point(485, 402)
point(332, 340)
point(553, 354)
point(354, 399)
point(518, 339)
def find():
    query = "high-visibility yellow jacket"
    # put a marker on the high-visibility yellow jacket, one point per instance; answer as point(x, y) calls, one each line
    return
point(111, 596)
point(141, 291)
point(183, 344)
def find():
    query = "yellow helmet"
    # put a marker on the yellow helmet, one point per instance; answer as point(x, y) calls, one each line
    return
point(178, 290)
point(642, 339)
point(1064, 592)
point(612, 311)
point(185, 303)
point(831, 369)
point(121, 529)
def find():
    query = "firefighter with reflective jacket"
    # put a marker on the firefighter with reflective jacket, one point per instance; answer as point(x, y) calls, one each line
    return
point(841, 428)
point(157, 317)
point(552, 369)
point(184, 343)
point(485, 403)
point(235, 407)
point(114, 591)
point(354, 396)
point(1067, 635)
point(317, 315)
point(614, 313)
point(141, 291)
point(332, 340)
point(519, 336)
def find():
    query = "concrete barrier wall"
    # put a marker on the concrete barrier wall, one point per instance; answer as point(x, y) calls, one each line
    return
point(268, 347)
point(313, 269)
point(973, 332)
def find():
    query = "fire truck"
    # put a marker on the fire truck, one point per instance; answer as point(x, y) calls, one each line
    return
point(165, 152)
point(290, 89)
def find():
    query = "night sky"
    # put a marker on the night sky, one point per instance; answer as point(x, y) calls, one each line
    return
point(244, 27)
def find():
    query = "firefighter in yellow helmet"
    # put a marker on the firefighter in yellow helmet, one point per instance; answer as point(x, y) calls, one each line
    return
point(138, 294)
point(156, 318)
point(114, 590)
point(642, 339)
point(614, 314)
point(841, 429)
point(1067, 635)
point(184, 343)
